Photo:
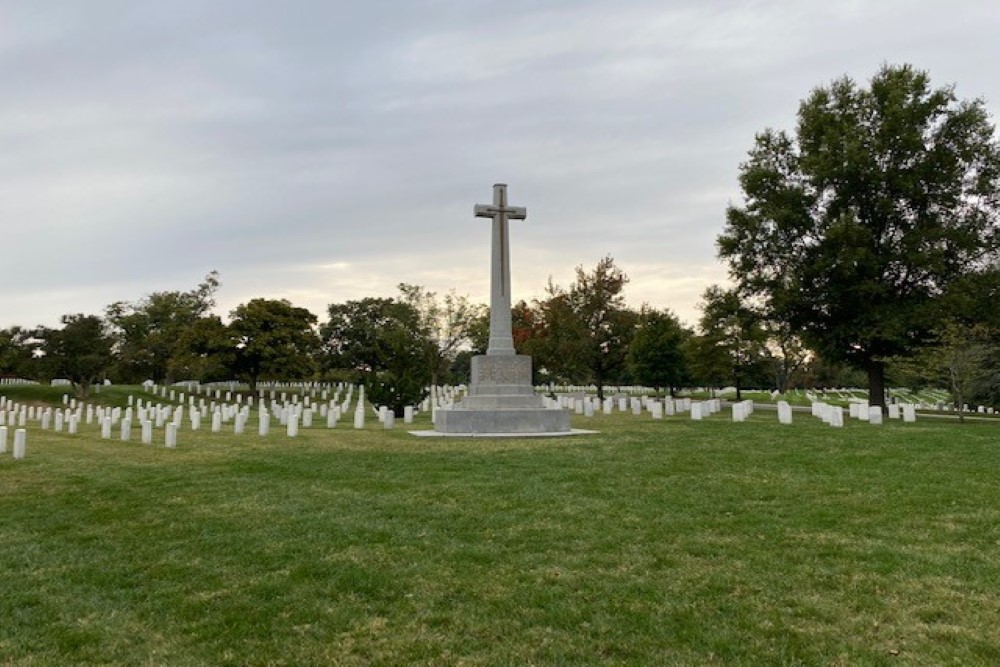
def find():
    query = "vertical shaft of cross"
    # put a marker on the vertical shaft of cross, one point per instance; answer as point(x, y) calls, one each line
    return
point(501, 332)
point(501, 336)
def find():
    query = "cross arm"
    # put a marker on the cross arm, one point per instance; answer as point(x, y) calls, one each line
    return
point(512, 212)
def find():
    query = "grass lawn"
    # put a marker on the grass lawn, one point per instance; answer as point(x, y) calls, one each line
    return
point(654, 542)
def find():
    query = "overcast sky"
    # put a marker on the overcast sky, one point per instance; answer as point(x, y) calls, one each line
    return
point(322, 151)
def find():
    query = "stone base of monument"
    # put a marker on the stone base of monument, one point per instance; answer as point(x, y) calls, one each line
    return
point(502, 401)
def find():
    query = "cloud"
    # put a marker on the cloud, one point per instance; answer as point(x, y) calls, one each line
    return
point(323, 151)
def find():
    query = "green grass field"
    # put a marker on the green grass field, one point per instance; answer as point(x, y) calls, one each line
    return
point(654, 542)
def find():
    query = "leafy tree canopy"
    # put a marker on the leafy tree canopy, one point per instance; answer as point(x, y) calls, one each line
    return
point(587, 327)
point(153, 333)
point(273, 340)
point(657, 355)
point(855, 225)
point(79, 352)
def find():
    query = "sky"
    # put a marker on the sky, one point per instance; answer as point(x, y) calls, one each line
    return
point(321, 151)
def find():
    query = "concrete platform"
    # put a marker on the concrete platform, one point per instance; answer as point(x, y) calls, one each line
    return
point(553, 434)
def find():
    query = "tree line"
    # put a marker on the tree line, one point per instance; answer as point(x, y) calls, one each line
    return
point(866, 250)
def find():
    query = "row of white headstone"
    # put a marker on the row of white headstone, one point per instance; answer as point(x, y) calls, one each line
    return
point(588, 406)
point(293, 392)
point(834, 414)
point(171, 417)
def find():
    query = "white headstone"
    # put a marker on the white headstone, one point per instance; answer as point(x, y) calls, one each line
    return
point(875, 415)
point(20, 441)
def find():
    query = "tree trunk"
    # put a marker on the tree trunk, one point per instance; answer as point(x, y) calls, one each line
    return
point(959, 400)
point(739, 389)
point(876, 384)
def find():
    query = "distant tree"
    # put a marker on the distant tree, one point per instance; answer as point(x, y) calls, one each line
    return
point(959, 359)
point(19, 350)
point(820, 373)
point(788, 353)
point(657, 353)
point(272, 340)
point(560, 348)
point(79, 352)
point(153, 333)
point(204, 351)
point(737, 333)
point(449, 322)
point(985, 389)
point(526, 324)
point(709, 363)
point(587, 326)
point(383, 342)
point(854, 228)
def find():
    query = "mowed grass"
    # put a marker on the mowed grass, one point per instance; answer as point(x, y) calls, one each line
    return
point(654, 542)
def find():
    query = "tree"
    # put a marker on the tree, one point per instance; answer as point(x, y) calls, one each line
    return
point(854, 227)
point(656, 355)
point(708, 362)
point(449, 323)
point(788, 354)
point(737, 334)
point(154, 333)
point(79, 352)
point(204, 351)
point(959, 359)
point(272, 339)
point(19, 349)
point(384, 344)
point(588, 328)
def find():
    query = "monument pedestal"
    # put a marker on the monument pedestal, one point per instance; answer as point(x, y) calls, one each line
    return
point(501, 399)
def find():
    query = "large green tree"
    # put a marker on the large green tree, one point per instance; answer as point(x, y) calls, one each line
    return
point(450, 323)
point(587, 326)
point(273, 340)
point(854, 226)
point(737, 334)
point(156, 335)
point(80, 351)
point(657, 353)
point(386, 346)
point(18, 352)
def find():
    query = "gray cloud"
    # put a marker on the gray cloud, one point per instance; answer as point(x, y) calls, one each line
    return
point(322, 151)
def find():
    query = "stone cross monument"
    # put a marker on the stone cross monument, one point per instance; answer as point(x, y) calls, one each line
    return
point(501, 338)
point(501, 399)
